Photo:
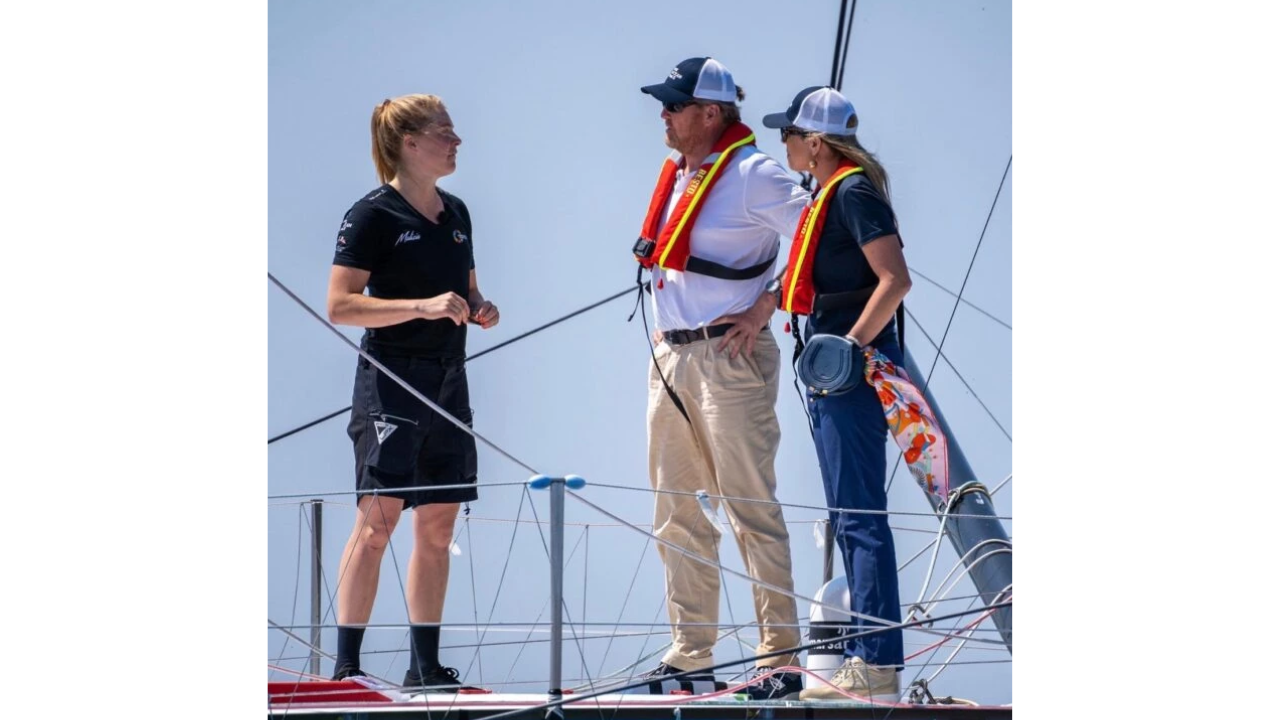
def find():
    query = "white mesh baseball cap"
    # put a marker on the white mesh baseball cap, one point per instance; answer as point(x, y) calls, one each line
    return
point(817, 109)
point(696, 78)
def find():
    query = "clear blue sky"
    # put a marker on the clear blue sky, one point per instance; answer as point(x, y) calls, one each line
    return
point(560, 151)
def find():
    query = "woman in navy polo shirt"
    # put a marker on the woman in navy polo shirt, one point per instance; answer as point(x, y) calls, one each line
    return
point(847, 250)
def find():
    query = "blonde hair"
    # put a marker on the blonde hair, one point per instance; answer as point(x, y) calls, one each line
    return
point(393, 119)
point(849, 147)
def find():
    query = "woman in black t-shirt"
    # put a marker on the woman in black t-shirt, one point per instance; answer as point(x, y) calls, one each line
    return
point(409, 244)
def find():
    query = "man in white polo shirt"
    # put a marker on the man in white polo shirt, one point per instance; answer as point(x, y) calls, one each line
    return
point(710, 239)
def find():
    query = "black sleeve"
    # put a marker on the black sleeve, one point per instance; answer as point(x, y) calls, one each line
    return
point(362, 239)
point(866, 215)
point(466, 219)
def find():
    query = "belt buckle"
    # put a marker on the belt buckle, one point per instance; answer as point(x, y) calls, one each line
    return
point(683, 337)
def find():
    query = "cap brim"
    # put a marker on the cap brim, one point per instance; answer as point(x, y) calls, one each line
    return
point(665, 93)
point(776, 120)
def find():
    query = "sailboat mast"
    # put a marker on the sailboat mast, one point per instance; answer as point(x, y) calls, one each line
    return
point(977, 534)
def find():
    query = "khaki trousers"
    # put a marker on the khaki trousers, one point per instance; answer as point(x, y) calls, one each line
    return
point(727, 448)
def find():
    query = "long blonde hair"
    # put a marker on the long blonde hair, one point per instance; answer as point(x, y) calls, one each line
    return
point(849, 147)
point(393, 119)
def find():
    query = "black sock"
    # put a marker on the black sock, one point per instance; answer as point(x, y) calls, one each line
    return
point(349, 639)
point(425, 643)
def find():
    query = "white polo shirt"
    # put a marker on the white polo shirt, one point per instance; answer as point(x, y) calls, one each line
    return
point(750, 206)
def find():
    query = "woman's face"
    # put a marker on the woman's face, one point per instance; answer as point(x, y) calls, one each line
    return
point(437, 149)
point(798, 153)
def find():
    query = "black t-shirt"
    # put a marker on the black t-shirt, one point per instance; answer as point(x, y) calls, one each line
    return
point(410, 257)
point(858, 216)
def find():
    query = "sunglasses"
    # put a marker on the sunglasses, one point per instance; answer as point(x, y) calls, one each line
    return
point(675, 107)
point(790, 130)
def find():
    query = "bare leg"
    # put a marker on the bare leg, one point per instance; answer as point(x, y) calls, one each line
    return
point(429, 563)
point(376, 519)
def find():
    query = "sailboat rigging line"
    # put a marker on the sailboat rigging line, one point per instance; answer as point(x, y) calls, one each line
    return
point(305, 643)
point(928, 546)
point(951, 658)
point(969, 570)
point(420, 488)
point(585, 636)
point(933, 562)
point(637, 524)
point(942, 643)
point(543, 610)
point(475, 610)
point(937, 545)
point(408, 633)
point(607, 636)
point(408, 388)
point(404, 593)
point(848, 37)
point(525, 642)
point(929, 662)
point(342, 573)
point(297, 581)
point(297, 503)
point(898, 463)
point(552, 323)
point(934, 601)
point(540, 626)
point(626, 599)
point(313, 423)
point(482, 353)
point(565, 615)
point(603, 636)
point(586, 568)
point(741, 661)
point(958, 598)
point(994, 201)
point(501, 577)
point(601, 677)
point(718, 526)
point(727, 498)
point(648, 339)
point(728, 601)
point(1002, 661)
point(835, 55)
point(329, 593)
point(996, 645)
point(958, 375)
point(735, 573)
point(1002, 484)
point(917, 273)
point(665, 602)
point(843, 33)
point(959, 563)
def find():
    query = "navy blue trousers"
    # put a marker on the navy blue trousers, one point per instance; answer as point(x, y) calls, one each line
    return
point(850, 433)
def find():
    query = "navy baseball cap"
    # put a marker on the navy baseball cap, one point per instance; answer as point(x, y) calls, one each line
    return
point(696, 78)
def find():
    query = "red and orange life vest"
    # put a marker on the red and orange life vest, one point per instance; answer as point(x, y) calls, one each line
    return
point(797, 284)
point(668, 246)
